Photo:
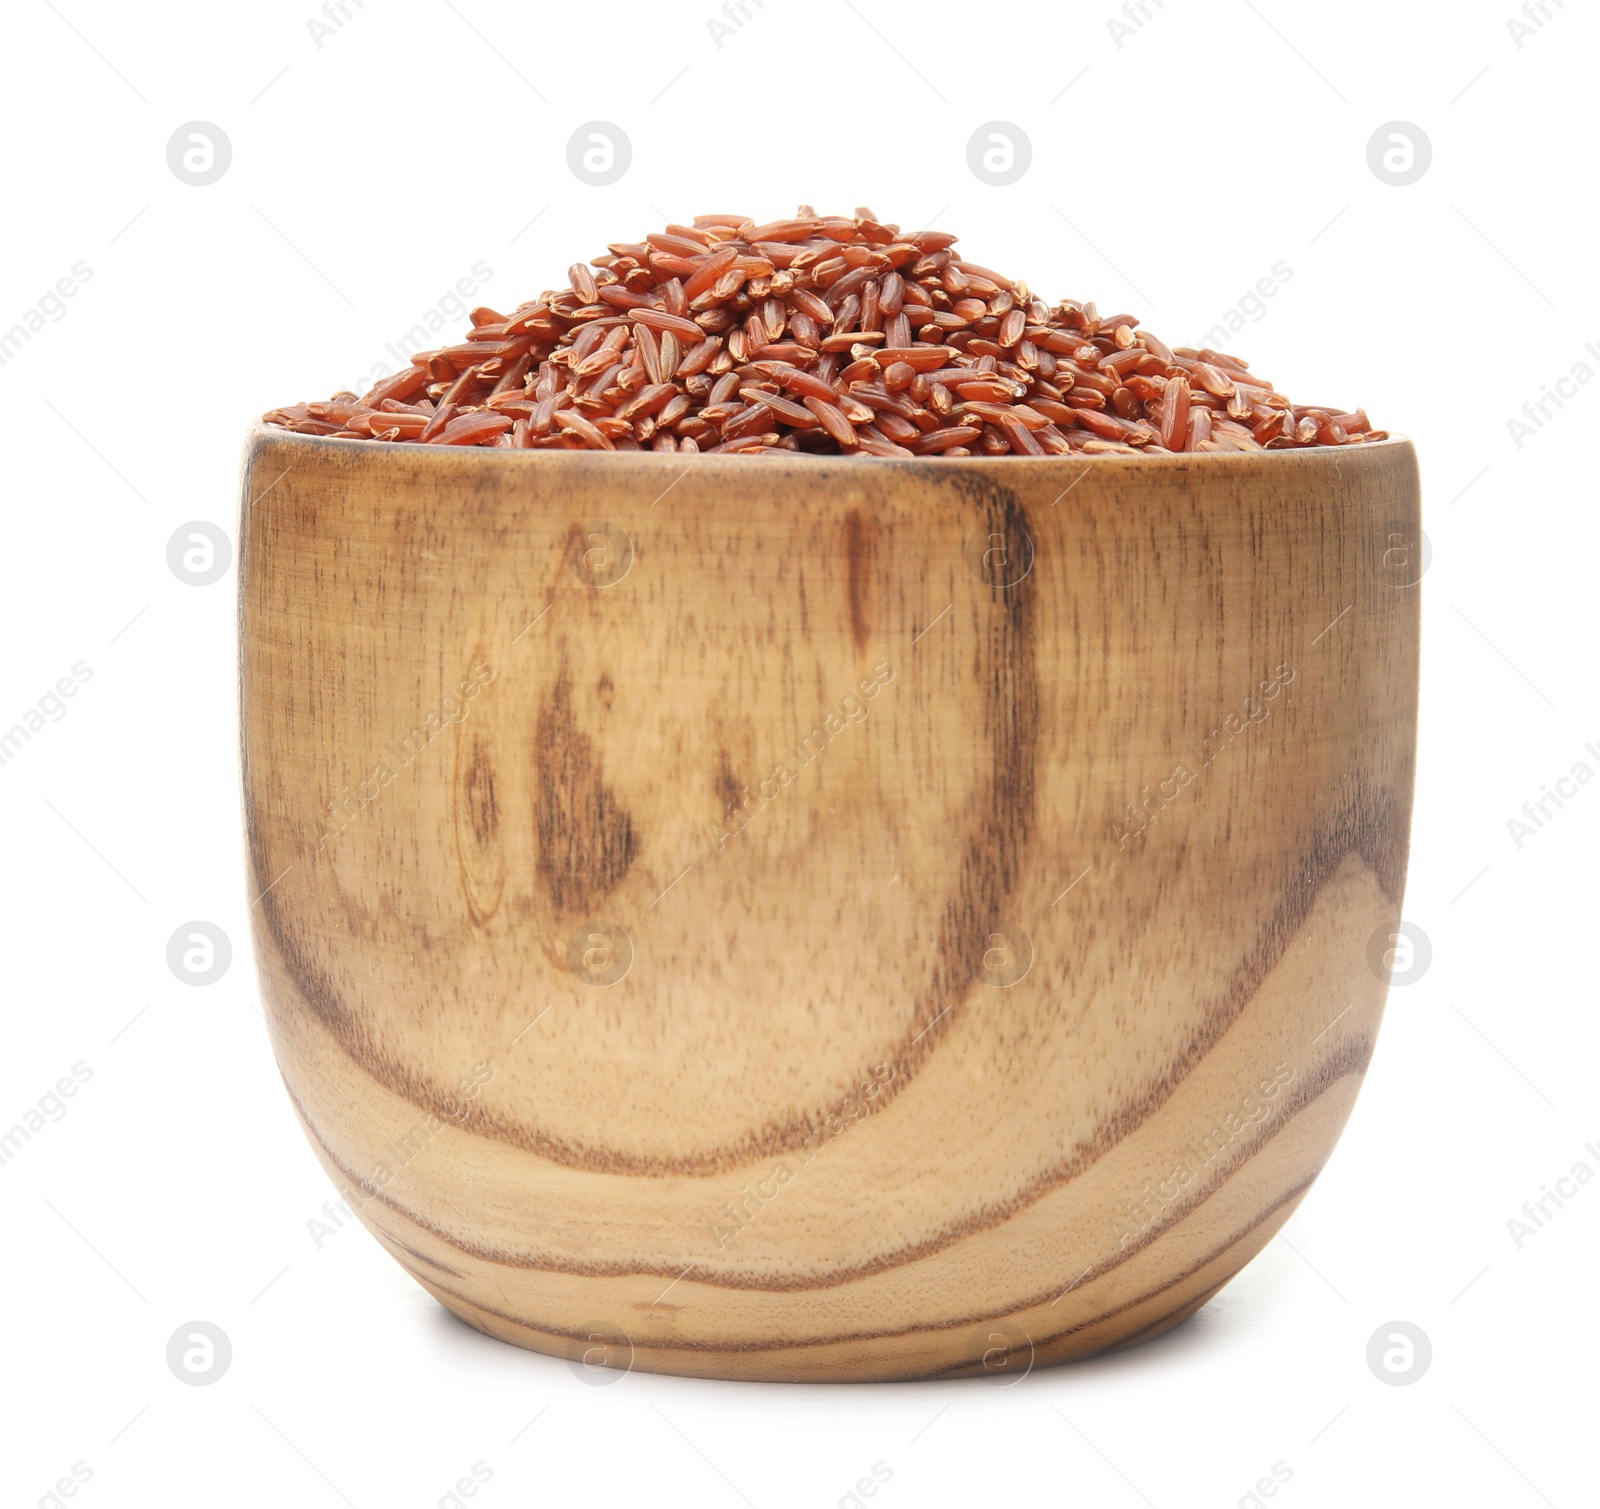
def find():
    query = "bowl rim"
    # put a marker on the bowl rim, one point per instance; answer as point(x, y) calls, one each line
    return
point(497, 455)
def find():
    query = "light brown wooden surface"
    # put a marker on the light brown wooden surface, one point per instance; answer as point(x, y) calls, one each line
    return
point(817, 1130)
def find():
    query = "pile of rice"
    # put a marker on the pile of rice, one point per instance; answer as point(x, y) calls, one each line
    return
point(824, 334)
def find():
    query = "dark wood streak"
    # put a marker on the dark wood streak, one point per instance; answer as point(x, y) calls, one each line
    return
point(898, 1333)
point(585, 835)
point(727, 785)
point(416, 1252)
point(1004, 805)
point(860, 546)
point(1370, 823)
point(1289, 1197)
point(477, 826)
point(478, 792)
point(1350, 1057)
point(1167, 1322)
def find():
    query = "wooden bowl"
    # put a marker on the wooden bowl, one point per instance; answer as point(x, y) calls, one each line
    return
point(819, 918)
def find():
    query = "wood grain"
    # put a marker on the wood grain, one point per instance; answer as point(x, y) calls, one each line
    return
point(994, 849)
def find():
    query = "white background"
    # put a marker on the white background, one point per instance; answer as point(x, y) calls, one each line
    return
point(371, 172)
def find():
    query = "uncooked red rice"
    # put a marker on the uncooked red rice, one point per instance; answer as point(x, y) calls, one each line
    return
point(821, 334)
